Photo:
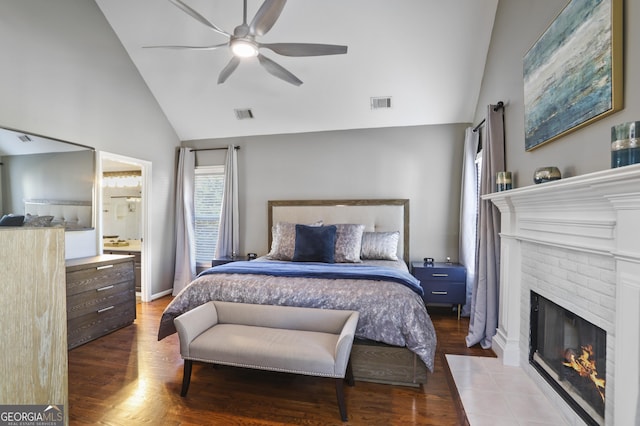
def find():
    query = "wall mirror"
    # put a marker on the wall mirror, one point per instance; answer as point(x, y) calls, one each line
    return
point(43, 176)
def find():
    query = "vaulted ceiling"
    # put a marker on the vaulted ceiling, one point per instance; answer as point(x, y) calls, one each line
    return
point(427, 55)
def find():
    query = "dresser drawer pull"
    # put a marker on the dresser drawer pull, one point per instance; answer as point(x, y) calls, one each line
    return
point(439, 275)
point(105, 309)
point(108, 287)
point(440, 293)
point(103, 267)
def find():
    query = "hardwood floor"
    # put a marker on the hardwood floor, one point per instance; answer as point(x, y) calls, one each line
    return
point(130, 378)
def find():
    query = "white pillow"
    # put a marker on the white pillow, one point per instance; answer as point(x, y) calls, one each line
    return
point(380, 245)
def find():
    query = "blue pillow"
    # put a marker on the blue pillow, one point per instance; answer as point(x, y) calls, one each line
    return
point(315, 244)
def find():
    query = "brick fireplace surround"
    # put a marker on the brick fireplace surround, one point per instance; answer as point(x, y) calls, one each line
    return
point(576, 241)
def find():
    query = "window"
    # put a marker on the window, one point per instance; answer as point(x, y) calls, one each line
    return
point(208, 189)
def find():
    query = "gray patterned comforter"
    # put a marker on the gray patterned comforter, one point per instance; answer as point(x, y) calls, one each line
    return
point(389, 312)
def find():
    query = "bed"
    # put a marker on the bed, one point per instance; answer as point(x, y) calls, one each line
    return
point(364, 252)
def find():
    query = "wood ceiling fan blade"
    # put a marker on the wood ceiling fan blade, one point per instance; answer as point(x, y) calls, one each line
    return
point(214, 47)
point(198, 17)
point(304, 49)
point(278, 71)
point(266, 16)
point(230, 68)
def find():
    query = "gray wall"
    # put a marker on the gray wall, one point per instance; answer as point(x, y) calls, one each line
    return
point(518, 25)
point(421, 163)
point(66, 75)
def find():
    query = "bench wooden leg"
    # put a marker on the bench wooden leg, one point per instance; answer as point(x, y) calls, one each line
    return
point(340, 395)
point(349, 375)
point(186, 377)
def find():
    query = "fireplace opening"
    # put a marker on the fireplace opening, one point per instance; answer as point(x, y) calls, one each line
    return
point(569, 352)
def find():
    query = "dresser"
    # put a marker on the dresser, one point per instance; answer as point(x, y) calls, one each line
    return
point(444, 283)
point(101, 296)
point(33, 326)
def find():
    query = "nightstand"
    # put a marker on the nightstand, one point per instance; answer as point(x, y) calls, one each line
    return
point(442, 282)
point(226, 259)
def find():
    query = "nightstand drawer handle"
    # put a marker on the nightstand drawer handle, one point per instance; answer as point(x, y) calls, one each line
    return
point(439, 275)
point(103, 267)
point(440, 293)
point(105, 309)
point(109, 287)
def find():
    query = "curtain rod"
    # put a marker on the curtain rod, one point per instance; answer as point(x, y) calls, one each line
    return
point(211, 149)
point(475, 129)
point(499, 105)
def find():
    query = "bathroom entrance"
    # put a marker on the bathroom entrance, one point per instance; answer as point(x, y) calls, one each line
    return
point(123, 221)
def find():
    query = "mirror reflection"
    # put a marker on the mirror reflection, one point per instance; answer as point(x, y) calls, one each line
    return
point(48, 181)
point(121, 198)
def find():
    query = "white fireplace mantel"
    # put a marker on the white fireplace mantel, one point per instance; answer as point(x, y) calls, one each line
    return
point(596, 213)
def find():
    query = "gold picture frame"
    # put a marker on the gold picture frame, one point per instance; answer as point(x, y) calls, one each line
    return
point(573, 74)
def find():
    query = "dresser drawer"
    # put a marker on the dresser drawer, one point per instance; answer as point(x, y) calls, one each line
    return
point(440, 274)
point(444, 292)
point(98, 276)
point(96, 324)
point(137, 257)
point(99, 299)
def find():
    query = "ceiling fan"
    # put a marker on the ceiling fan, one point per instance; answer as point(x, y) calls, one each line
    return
point(243, 42)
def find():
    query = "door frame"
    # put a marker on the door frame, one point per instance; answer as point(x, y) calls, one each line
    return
point(145, 244)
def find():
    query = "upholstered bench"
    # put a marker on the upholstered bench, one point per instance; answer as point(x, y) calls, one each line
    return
point(314, 342)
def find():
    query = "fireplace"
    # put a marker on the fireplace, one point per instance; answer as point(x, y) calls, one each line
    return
point(575, 242)
point(569, 352)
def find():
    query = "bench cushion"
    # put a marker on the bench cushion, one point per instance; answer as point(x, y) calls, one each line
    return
point(292, 351)
point(289, 317)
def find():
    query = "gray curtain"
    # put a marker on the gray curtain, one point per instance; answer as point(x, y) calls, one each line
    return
point(484, 301)
point(185, 267)
point(229, 228)
point(469, 212)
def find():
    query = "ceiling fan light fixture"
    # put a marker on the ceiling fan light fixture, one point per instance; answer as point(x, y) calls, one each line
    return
point(243, 42)
point(244, 48)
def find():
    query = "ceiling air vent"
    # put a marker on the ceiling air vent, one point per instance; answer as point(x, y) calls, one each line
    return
point(24, 138)
point(244, 114)
point(381, 102)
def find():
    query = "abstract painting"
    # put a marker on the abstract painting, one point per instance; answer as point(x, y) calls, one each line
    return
point(573, 73)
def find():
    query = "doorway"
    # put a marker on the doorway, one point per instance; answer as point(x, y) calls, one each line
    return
point(123, 221)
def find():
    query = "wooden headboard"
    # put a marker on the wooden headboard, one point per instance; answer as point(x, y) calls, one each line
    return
point(379, 215)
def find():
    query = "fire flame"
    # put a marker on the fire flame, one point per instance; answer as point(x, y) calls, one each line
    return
point(586, 367)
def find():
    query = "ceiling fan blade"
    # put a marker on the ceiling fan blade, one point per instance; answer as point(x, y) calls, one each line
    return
point(278, 71)
point(214, 47)
point(304, 49)
point(230, 68)
point(266, 16)
point(195, 15)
